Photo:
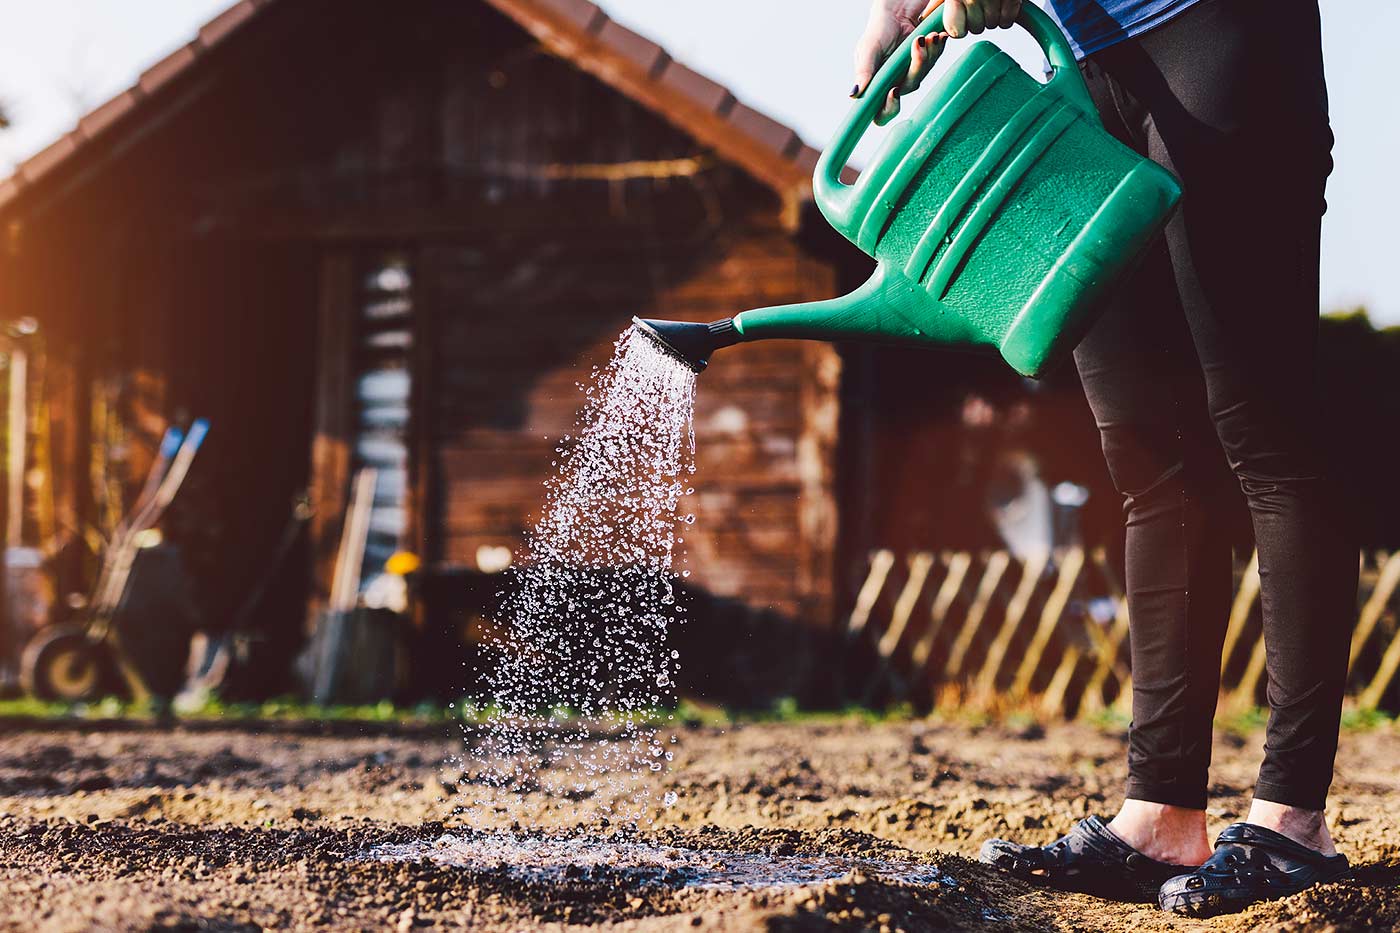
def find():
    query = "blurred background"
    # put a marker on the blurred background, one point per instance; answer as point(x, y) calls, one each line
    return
point(372, 247)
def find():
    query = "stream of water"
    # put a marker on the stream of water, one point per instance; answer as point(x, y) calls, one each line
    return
point(579, 668)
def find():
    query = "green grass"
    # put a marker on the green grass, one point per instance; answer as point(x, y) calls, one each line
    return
point(1110, 719)
point(785, 710)
point(788, 710)
point(290, 709)
point(1364, 720)
point(1243, 722)
point(28, 708)
point(1253, 719)
point(278, 709)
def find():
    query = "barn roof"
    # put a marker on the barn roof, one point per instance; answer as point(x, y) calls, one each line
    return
point(576, 30)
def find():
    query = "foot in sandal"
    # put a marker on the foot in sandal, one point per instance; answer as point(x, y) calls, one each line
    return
point(1092, 859)
point(1250, 864)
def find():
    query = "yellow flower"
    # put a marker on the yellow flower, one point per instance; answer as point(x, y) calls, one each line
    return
point(402, 563)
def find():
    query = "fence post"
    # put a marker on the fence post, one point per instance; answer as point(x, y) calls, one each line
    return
point(1371, 697)
point(919, 566)
point(1371, 613)
point(1050, 615)
point(991, 579)
point(1031, 572)
point(1107, 647)
point(1054, 700)
point(948, 591)
point(880, 563)
point(1239, 612)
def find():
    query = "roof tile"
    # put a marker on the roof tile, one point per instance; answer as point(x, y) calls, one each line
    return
point(226, 22)
point(104, 116)
point(168, 67)
point(33, 168)
point(762, 128)
point(637, 49)
point(708, 94)
point(581, 13)
point(806, 159)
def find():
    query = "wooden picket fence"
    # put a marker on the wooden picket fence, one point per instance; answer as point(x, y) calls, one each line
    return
point(1050, 633)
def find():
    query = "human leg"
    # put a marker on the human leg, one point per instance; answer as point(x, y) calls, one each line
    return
point(1141, 379)
point(1237, 107)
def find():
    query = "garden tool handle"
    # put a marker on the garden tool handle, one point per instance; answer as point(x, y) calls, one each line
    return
point(1065, 79)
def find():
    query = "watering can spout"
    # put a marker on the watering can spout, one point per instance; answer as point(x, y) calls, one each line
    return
point(888, 308)
point(690, 343)
point(883, 309)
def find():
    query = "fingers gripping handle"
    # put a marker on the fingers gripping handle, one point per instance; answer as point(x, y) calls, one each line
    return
point(837, 196)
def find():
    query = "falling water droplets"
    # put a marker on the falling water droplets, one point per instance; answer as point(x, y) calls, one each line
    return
point(583, 624)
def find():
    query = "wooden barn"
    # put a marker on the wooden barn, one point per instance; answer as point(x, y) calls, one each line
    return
point(350, 232)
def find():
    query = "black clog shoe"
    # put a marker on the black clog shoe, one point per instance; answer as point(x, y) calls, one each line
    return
point(1090, 860)
point(1250, 864)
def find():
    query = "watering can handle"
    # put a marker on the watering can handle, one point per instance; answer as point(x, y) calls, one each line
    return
point(1065, 78)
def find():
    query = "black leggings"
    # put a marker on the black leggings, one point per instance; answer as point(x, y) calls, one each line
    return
point(1212, 346)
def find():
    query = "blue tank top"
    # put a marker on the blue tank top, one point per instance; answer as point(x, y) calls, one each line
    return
point(1096, 24)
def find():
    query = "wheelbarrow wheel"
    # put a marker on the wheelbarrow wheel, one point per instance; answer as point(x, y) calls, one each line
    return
point(62, 664)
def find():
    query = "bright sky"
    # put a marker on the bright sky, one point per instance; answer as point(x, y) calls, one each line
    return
point(60, 57)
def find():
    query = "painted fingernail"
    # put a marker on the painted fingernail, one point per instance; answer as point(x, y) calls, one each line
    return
point(855, 89)
point(921, 42)
point(896, 93)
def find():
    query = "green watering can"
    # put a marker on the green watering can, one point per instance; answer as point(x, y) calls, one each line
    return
point(999, 215)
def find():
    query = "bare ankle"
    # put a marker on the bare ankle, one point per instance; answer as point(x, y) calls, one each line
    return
point(1306, 827)
point(1176, 835)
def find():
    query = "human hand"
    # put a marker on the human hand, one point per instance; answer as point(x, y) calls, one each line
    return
point(891, 21)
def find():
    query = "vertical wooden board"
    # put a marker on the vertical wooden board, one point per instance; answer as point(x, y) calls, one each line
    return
point(1031, 571)
point(425, 496)
point(1387, 581)
point(330, 452)
point(816, 467)
point(18, 432)
point(992, 575)
point(881, 563)
point(1244, 692)
point(1239, 612)
point(919, 566)
point(948, 591)
point(1050, 616)
point(1108, 647)
point(1053, 701)
point(1375, 691)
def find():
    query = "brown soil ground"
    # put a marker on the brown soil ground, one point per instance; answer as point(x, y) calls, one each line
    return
point(127, 827)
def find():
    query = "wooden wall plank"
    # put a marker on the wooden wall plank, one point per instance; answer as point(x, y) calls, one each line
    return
point(330, 450)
